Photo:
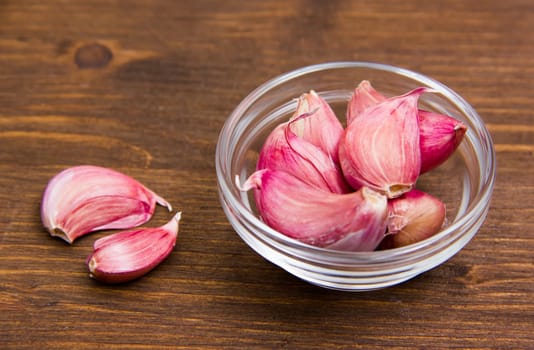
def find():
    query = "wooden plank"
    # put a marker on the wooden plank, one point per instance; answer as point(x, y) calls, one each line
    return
point(144, 87)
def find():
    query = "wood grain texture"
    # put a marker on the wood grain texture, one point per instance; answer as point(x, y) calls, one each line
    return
point(145, 86)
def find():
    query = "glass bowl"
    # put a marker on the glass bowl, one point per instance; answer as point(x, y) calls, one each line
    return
point(465, 182)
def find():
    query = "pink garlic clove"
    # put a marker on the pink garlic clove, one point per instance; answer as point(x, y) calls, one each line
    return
point(320, 126)
point(380, 148)
point(363, 97)
point(354, 221)
point(440, 135)
point(283, 150)
point(88, 198)
point(127, 255)
point(412, 218)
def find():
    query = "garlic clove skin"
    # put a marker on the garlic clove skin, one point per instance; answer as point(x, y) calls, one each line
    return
point(315, 121)
point(440, 135)
point(128, 255)
point(412, 218)
point(363, 97)
point(87, 198)
point(284, 150)
point(380, 148)
point(354, 221)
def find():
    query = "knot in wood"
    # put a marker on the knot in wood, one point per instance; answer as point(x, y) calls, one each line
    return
point(92, 56)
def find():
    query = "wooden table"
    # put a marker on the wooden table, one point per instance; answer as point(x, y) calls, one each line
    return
point(145, 86)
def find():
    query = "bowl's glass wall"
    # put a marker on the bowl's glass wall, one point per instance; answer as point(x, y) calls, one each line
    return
point(464, 182)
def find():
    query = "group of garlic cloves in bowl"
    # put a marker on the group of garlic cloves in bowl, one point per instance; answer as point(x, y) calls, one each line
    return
point(336, 184)
point(353, 189)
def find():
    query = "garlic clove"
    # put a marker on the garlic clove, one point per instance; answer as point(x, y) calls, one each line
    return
point(88, 198)
point(363, 97)
point(354, 221)
point(315, 121)
point(284, 150)
point(440, 135)
point(127, 255)
point(413, 217)
point(380, 149)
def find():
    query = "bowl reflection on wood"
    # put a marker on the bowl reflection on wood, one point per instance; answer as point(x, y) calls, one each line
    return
point(464, 183)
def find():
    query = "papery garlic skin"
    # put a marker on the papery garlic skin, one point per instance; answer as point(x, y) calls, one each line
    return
point(380, 148)
point(412, 218)
point(87, 198)
point(128, 255)
point(284, 150)
point(315, 121)
point(440, 135)
point(354, 221)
